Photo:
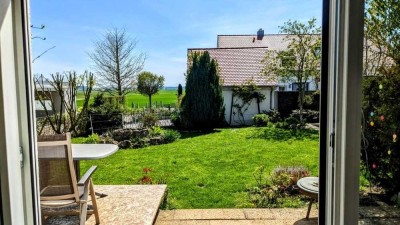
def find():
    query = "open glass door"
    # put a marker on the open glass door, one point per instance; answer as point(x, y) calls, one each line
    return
point(19, 202)
point(340, 109)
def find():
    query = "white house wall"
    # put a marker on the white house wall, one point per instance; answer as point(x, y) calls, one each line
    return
point(252, 110)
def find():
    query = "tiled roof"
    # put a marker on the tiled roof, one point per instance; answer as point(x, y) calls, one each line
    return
point(276, 42)
point(238, 65)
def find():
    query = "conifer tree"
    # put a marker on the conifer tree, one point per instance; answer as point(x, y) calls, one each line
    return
point(202, 105)
point(180, 90)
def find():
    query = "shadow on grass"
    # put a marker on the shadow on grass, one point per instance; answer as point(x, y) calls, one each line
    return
point(279, 134)
point(192, 134)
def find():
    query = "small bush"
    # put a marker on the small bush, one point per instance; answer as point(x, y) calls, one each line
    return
point(171, 136)
point(278, 189)
point(176, 119)
point(294, 173)
point(91, 139)
point(260, 120)
point(292, 123)
point(104, 115)
point(274, 115)
point(310, 116)
point(156, 131)
point(140, 142)
point(149, 120)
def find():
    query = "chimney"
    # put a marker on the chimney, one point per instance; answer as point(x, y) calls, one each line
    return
point(260, 34)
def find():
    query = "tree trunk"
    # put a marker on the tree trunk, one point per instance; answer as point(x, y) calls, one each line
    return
point(301, 101)
point(150, 102)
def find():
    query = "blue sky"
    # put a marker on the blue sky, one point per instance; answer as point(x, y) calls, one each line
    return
point(164, 29)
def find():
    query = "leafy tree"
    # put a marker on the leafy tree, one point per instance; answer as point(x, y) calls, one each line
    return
point(117, 62)
point(300, 61)
point(382, 44)
point(381, 130)
point(180, 90)
point(202, 105)
point(60, 108)
point(149, 84)
point(381, 111)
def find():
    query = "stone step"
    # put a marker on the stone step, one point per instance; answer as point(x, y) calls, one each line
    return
point(129, 204)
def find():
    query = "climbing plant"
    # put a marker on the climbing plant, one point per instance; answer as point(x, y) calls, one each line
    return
point(243, 96)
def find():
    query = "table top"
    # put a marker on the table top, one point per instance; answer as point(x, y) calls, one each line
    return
point(92, 151)
point(309, 184)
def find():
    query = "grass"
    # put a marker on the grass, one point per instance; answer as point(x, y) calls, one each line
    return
point(211, 170)
point(164, 96)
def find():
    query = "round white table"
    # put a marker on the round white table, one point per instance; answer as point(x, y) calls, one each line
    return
point(309, 186)
point(91, 152)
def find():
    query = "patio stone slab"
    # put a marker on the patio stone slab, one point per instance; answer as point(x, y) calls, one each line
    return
point(199, 214)
point(258, 214)
point(371, 212)
point(282, 216)
point(247, 216)
point(128, 204)
point(234, 214)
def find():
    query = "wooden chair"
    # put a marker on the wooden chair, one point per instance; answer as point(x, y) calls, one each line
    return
point(60, 193)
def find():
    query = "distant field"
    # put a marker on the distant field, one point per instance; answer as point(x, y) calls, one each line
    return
point(164, 96)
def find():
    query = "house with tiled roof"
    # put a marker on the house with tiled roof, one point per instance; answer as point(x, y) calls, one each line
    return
point(239, 59)
point(273, 42)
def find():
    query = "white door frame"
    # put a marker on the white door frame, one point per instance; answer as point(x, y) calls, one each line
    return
point(19, 184)
point(341, 148)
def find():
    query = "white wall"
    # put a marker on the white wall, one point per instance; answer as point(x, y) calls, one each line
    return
point(252, 110)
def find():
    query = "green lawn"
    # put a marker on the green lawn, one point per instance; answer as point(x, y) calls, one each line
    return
point(164, 96)
point(211, 170)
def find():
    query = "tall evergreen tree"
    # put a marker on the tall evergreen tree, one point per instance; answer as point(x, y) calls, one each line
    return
point(180, 90)
point(202, 105)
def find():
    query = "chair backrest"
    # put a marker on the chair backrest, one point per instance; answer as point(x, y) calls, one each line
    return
point(56, 169)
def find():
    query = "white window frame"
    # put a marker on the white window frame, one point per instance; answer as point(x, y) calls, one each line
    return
point(19, 184)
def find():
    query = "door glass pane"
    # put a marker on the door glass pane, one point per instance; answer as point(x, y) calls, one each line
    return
point(265, 137)
point(380, 153)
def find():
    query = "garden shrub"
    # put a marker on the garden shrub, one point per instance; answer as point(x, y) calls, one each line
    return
point(176, 119)
point(149, 120)
point(263, 195)
point(274, 115)
point(156, 131)
point(381, 130)
point(91, 139)
point(140, 142)
point(292, 123)
point(295, 173)
point(171, 136)
point(104, 115)
point(310, 116)
point(260, 120)
point(276, 190)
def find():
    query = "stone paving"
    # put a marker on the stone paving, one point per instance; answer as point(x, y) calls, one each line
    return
point(138, 205)
point(368, 215)
point(236, 216)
